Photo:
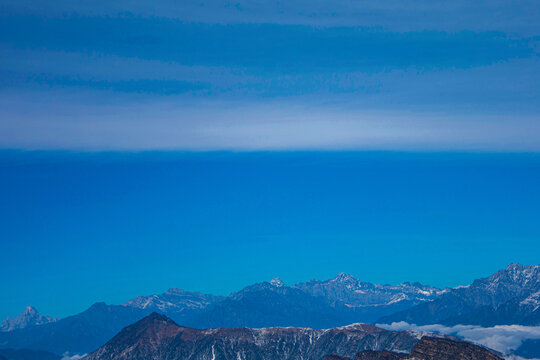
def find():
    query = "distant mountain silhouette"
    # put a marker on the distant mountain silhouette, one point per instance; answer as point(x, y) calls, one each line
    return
point(510, 296)
point(80, 333)
point(267, 304)
point(29, 317)
point(178, 304)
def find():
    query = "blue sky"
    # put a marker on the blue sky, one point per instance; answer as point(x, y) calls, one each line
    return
point(209, 145)
point(80, 228)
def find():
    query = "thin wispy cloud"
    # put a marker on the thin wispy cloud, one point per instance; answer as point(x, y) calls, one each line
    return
point(270, 126)
point(269, 76)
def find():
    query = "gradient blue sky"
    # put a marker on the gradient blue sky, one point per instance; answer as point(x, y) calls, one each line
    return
point(80, 228)
point(209, 145)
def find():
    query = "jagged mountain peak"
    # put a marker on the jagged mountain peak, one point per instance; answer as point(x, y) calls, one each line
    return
point(154, 318)
point(519, 272)
point(173, 301)
point(277, 282)
point(352, 292)
point(344, 278)
point(29, 317)
point(520, 269)
point(515, 278)
point(148, 331)
point(30, 310)
point(506, 297)
point(514, 265)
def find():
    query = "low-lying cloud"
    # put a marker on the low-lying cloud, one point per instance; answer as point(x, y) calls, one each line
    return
point(503, 338)
point(73, 357)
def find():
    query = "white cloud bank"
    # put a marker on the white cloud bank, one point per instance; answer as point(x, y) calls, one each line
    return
point(502, 338)
point(73, 357)
point(271, 126)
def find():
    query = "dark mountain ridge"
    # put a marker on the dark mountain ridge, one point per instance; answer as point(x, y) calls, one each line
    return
point(158, 337)
point(434, 348)
point(428, 348)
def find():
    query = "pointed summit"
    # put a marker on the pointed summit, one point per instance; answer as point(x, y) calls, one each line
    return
point(342, 277)
point(514, 266)
point(30, 310)
point(29, 317)
point(141, 337)
point(277, 282)
point(153, 317)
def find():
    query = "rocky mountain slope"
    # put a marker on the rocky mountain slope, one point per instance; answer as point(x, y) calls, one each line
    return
point(444, 349)
point(379, 355)
point(29, 317)
point(509, 296)
point(158, 337)
point(429, 348)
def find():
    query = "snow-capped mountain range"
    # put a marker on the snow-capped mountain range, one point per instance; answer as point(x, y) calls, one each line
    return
point(342, 291)
point(356, 293)
point(175, 302)
point(29, 317)
point(510, 296)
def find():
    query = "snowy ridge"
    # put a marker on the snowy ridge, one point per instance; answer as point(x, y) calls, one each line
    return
point(353, 292)
point(173, 301)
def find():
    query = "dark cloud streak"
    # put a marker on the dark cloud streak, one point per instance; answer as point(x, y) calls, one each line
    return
point(263, 48)
point(396, 15)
